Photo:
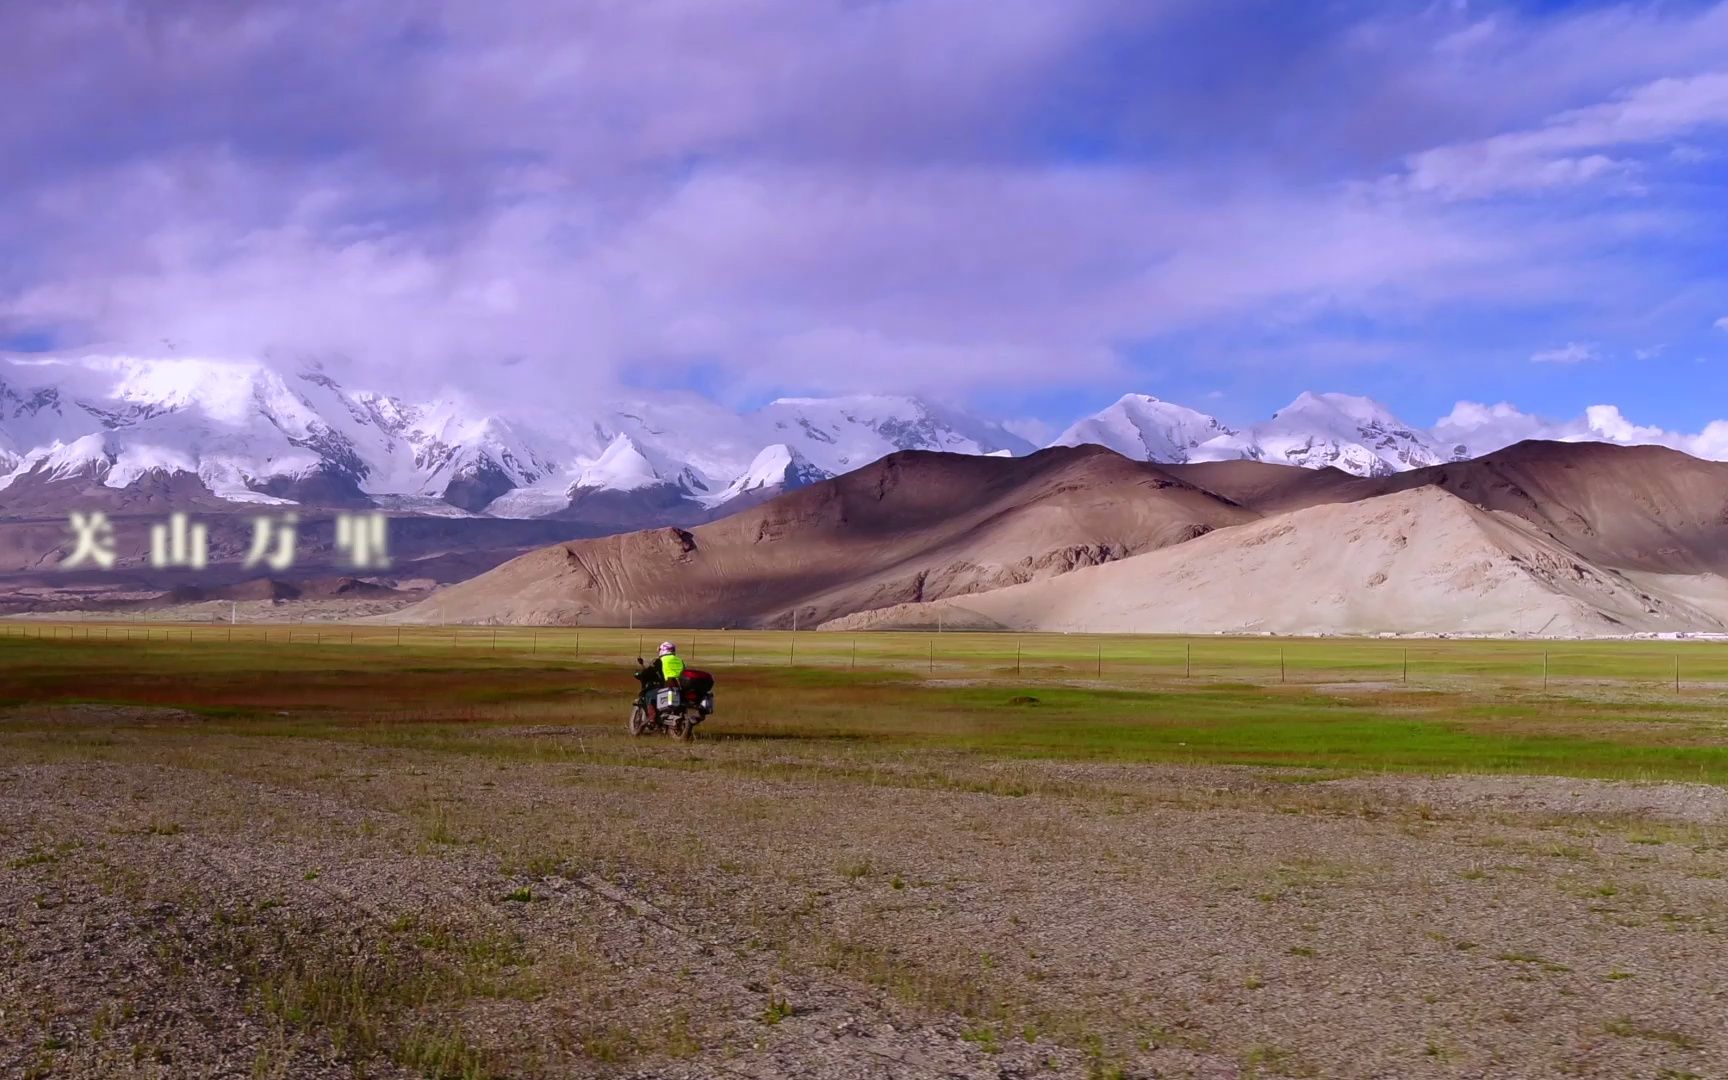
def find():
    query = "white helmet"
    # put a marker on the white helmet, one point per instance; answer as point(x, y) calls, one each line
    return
point(667, 647)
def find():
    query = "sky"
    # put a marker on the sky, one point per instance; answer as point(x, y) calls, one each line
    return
point(1028, 207)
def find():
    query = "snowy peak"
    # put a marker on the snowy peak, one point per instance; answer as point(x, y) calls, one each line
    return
point(1143, 427)
point(245, 430)
point(1356, 434)
point(250, 431)
point(777, 469)
point(621, 467)
point(1361, 410)
point(845, 433)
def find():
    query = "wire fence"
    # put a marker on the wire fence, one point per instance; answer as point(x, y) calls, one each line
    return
point(1674, 666)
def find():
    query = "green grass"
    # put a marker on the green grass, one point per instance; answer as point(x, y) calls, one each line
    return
point(1297, 660)
point(1471, 710)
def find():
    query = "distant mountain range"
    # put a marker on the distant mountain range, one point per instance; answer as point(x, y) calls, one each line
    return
point(108, 431)
point(118, 431)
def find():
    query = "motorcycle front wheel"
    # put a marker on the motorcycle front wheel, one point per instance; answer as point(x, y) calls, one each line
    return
point(638, 720)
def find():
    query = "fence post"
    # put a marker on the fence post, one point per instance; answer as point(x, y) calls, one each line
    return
point(854, 654)
point(1281, 674)
point(1100, 661)
point(1406, 667)
point(1544, 672)
point(1188, 660)
point(1016, 656)
point(932, 656)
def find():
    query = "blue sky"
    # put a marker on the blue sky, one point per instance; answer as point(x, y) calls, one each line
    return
point(1026, 206)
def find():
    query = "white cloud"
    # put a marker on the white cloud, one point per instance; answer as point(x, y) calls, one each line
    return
point(1033, 430)
point(1722, 323)
point(1572, 147)
point(1574, 353)
point(1485, 428)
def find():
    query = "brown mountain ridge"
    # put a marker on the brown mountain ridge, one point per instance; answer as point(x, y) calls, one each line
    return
point(1569, 537)
point(913, 527)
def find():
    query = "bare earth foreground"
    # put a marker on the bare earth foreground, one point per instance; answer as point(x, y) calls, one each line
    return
point(182, 895)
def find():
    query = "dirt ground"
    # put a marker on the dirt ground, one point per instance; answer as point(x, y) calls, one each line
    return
point(179, 901)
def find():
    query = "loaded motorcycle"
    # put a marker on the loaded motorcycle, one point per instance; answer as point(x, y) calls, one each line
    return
point(676, 707)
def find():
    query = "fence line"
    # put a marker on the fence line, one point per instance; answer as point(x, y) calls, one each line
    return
point(1676, 666)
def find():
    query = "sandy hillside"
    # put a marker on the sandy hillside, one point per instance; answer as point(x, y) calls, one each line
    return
point(1631, 507)
point(1410, 561)
point(1645, 508)
point(1268, 488)
point(913, 527)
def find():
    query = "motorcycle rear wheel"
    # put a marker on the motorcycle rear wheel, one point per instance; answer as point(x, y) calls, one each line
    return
point(682, 729)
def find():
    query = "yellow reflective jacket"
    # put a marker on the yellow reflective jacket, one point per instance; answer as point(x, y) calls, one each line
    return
point(671, 666)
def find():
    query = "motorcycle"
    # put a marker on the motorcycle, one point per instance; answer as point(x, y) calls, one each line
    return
point(673, 708)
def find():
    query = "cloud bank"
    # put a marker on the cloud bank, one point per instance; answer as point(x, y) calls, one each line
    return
point(947, 196)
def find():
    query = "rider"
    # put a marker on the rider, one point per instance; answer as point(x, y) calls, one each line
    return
point(666, 670)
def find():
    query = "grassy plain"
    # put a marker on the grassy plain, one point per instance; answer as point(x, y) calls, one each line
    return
point(1604, 709)
point(356, 851)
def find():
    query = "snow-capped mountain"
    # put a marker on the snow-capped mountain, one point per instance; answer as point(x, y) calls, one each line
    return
point(844, 433)
point(1354, 434)
point(776, 469)
point(1142, 427)
point(73, 429)
point(251, 432)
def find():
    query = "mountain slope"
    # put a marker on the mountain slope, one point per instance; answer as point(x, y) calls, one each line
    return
point(912, 527)
point(1643, 508)
point(1554, 538)
point(1417, 560)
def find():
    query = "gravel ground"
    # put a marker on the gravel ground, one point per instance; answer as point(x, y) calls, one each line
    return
point(564, 902)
